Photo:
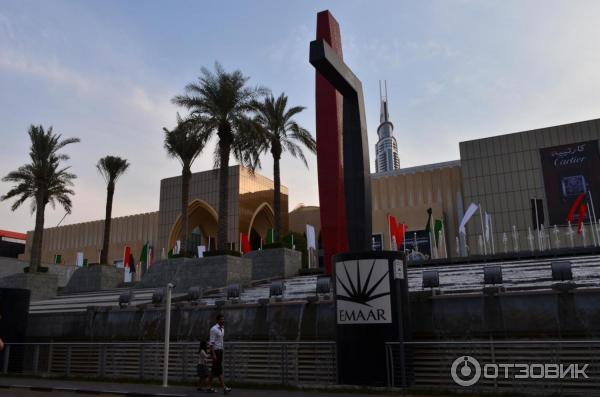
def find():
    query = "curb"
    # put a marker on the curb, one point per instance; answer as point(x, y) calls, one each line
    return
point(91, 391)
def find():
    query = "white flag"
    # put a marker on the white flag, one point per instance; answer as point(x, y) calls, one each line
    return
point(470, 211)
point(311, 240)
point(79, 260)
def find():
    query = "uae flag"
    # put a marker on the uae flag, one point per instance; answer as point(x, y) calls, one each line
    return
point(127, 256)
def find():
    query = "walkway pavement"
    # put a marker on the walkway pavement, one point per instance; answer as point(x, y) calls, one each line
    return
point(142, 390)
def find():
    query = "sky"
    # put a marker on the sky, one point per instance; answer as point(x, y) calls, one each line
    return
point(106, 71)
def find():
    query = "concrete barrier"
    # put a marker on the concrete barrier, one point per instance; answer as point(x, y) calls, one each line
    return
point(210, 272)
point(95, 278)
point(275, 263)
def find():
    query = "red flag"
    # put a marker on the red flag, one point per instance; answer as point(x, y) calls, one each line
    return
point(574, 207)
point(245, 243)
point(400, 232)
point(127, 256)
point(582, 213)
point(393, 230)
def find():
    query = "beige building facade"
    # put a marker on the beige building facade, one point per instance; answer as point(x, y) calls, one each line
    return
point(406, 194)
point(250, 212)
point(66, 241)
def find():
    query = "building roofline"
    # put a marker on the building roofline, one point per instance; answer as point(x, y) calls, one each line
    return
point(501, 135)
point(419, 168)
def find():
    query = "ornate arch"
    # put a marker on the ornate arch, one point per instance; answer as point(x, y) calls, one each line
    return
point(196, 206)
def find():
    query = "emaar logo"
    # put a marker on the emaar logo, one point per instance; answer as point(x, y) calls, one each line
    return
point(363, 292)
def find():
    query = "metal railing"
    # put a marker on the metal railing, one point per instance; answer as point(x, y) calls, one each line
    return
point(429, 364)
point(286, 363)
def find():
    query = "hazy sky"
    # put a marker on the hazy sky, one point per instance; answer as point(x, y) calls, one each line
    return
point(105, 71)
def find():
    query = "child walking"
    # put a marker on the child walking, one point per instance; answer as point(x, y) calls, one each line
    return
point(203, 368)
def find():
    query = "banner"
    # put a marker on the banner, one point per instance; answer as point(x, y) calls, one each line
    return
point(569, 171)
point(377, 242)
point(466, 217)
point(417, 241)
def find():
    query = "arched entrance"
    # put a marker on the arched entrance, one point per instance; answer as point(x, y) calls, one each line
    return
point(262, 220)
point(202, 224)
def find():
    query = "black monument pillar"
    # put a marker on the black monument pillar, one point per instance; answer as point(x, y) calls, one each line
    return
point(371, 289)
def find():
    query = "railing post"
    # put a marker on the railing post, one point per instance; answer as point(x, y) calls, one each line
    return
point(282, 364)
point(36, 359)
point(102, 366)
point(6, 359)
point(50, 356)
point(68, 364)
point(165, 382)
point(493, 356)
point(142, 360)
point(184, 362)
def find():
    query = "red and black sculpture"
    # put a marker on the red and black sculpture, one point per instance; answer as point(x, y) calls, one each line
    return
point(329, 152)
point(342, 147)
point(371, 289)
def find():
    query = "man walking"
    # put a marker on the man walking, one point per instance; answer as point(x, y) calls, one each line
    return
point(217, 332)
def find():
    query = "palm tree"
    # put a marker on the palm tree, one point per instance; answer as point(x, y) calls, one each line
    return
point(42, 180)
point(278, 133)
point(185, 142)
point(220, 103)
point(111, 168)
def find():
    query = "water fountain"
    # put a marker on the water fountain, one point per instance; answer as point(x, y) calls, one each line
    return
point(570, 232)
point(515, 236)
point(556, 233)
point(530, 238)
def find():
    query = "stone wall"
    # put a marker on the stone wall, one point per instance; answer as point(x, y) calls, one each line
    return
point(95, 278)
point(42, 285)
point(284, 321)
point(210, 272)
point(275, 263)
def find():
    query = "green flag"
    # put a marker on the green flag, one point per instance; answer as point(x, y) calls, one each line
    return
point(144, 258)
point(57, 259)
point(270, 234)
point(144, 254)
point(437, 228)
point(428, 226)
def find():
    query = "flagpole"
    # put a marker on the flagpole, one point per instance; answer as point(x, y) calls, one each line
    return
point(431, 251)
point(444, 239)
point(390, 230)
point(594, 219)
point(537, 222)
point(482, 230)
point(492, 236)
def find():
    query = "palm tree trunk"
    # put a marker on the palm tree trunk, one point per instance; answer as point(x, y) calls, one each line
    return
point(38, 236)
point(224, 150)
point(110, 192)
point(277, 198)
point(186, 176)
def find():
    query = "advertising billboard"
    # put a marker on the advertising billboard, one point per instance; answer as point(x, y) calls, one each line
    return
point(570, 170)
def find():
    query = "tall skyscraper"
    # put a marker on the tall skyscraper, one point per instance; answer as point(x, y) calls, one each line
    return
point(386, 149)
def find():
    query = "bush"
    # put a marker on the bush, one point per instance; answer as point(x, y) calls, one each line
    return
point(41, 269)
point(272, 246)
point(222, 252)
